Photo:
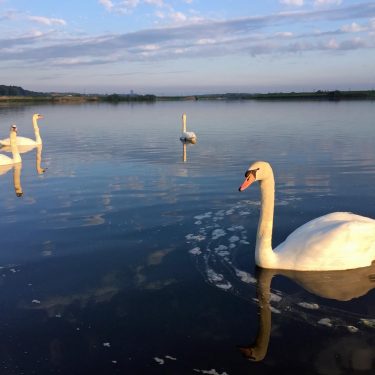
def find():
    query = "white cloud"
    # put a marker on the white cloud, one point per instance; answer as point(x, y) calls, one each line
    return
point(205, 41)
point(249, 35)
point(327, 2)
point(126, 6)
point(47, 21)
point(332, 44)
point(159, 14)
point(158, 3)
point(150, 47)
point(298, 3)
point(284, 34)
point(353, 28)
point(107, 4)
point(178, 17)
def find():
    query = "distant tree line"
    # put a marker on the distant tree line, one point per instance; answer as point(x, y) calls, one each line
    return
point(316, 95)
point(116, 98)
point(17, 91)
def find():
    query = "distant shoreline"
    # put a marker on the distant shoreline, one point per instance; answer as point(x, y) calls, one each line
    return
point(61, 98)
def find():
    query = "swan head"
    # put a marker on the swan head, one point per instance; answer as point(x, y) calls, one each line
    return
point(13, 131)
point(258, 171)
point(37, 116)
point(252, 353)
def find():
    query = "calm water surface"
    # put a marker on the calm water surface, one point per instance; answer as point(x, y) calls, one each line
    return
point(121, 258)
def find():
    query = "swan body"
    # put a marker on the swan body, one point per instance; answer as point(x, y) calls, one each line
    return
point(187, 136)
point(23, 141)
point(337, 241)
point(16, 158)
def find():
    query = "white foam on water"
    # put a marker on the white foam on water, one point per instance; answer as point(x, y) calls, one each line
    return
point(325, 322)
point(307, 305)
point(221, 248)
point(192, 237)
point(352, 329)
point(275, 298)
point(170, 357)
point(195, 251)
point(217, 233)
point(206, 215)
point(275, 310)
point(210, 372)
point(245, 277)
point(226, 286)
point(213, 276)
point(234, 228)
point(158, 360)
point(234, 239)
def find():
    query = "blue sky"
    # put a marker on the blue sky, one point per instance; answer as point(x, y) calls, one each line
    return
point(187, 46)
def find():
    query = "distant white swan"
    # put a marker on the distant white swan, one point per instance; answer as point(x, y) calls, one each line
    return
point(6, 160)
point(23, 141)
point(187, 136)
point(337, 241)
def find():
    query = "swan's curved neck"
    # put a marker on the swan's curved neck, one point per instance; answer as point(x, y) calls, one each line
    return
point(184, 123)
point(264, 255)
point(36, 131)
point(13, 146)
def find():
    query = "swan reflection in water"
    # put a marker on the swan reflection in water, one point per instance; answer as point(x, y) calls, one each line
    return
point(38, 159)
point(16, 176)
point(336, 285)
point(17, 169)
point(27, 148)
point(185, 144)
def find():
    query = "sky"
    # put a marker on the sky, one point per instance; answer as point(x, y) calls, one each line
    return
point(187, 47)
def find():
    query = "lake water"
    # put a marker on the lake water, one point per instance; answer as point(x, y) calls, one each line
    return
point(122, 258)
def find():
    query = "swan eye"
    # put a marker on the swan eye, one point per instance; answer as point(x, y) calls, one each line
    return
point(252, 172)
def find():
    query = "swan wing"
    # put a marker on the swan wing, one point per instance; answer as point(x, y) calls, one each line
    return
point(21, 141)
point(21, 149)
point(337, 241)
point(188, 135)
point(5, 142)
point(5, 160)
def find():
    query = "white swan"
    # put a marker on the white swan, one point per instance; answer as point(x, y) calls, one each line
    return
point(6, 160)
point(23, 141)
point(337, 241)
point(187, 136)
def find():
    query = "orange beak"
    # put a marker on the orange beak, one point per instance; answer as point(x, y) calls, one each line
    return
point(248, 181)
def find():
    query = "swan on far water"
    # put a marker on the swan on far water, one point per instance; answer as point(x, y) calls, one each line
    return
point(187, 136)
point(23, 141)
point(336, 241)
point(6, 160)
